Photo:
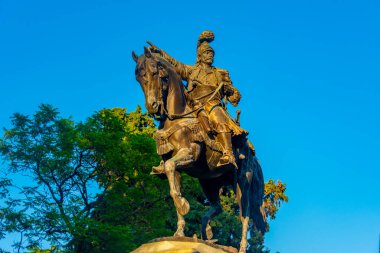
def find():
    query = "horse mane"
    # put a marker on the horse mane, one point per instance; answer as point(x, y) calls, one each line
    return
point(173, 76)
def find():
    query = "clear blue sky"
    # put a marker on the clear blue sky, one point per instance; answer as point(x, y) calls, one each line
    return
point(309, 72)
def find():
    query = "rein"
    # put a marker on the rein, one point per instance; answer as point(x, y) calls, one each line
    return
point(178, 116)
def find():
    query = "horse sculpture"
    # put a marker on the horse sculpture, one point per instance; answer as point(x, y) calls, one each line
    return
point(185, 147)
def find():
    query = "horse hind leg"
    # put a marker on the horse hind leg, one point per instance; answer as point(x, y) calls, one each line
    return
point(250, 210)
point(214, 210)
point(244, 241)
point(242, 195)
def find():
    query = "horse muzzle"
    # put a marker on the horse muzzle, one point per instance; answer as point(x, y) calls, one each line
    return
point(153, 107)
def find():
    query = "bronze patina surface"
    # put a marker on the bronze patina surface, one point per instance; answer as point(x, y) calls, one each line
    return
point(196, 135)
point(182, 245)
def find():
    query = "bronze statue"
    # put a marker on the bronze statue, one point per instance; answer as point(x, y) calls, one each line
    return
point(187, 142)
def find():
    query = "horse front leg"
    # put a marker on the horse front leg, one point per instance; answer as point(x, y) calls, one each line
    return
point(183, 157)
point(180, 226)
point(180, 220)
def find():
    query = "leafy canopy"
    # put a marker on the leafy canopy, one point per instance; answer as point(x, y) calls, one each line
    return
point(86, 187)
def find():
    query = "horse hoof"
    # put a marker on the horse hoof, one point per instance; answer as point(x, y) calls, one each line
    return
point(179, 233)
point(209, 233)
point(243, 249)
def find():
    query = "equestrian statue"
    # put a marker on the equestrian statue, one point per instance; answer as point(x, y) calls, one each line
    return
point(196, 134)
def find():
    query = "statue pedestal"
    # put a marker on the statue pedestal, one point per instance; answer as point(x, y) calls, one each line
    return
point(182, 245)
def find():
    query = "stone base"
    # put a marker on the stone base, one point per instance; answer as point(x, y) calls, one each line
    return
point(182, 245)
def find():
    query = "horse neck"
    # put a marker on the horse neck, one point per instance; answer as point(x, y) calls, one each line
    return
point(176, 101)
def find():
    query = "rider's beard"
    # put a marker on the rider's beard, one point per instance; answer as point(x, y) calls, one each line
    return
point(208, 61)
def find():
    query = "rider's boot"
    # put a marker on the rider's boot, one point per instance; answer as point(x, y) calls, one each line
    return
point(228, 155)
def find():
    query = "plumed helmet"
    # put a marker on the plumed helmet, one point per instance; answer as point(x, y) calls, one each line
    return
point(203, 43)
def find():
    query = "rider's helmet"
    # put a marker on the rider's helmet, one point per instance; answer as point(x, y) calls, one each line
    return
point(203, 43)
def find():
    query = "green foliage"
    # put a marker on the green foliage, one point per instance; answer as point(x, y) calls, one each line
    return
point(146, 204)
point(52, 249)
point(43, 148)
point(274, 195)
point(227, 225)
point(90, 188)
point(133, 198)
point(256, 243)
point(79, 172)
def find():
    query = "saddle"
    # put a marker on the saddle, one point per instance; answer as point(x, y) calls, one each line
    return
point(200, 135)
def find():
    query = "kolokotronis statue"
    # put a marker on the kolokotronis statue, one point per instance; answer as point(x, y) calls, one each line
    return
point(206, 88)
point(196, 136)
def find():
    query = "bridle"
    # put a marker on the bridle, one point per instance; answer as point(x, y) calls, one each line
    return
point(160, 101)
point(162, 94)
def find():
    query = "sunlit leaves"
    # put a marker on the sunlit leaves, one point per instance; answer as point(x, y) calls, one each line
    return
point(71, 169)
point(274, 196)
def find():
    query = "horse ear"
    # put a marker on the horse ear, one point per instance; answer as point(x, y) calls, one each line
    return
point(134, 56)
point(147, 52)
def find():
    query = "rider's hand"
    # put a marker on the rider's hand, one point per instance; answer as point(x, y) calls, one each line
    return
point(228, 90)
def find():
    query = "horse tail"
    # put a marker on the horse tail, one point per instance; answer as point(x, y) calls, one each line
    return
point(257, 197)
point(250, 164)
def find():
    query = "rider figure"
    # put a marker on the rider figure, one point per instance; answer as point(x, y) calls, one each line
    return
point(207, 86)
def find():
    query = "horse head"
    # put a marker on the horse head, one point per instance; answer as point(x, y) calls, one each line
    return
point(156, 77)
point(152, 75)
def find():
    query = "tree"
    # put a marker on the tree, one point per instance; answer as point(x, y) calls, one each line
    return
point(46, 149)
point(89, 187)
point(134, 200)
point(73, 170)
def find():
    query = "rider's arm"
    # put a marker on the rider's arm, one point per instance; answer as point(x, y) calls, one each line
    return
point(182, 69)
point(232, 94)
